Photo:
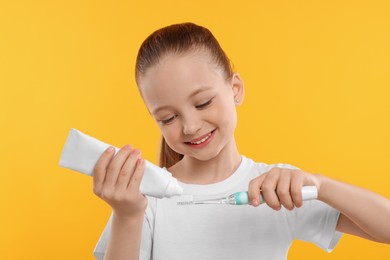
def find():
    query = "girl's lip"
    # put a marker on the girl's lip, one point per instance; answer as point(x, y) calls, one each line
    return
point(209, 137)
point(199, 138)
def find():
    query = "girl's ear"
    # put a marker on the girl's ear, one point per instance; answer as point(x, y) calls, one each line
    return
point(238, 88)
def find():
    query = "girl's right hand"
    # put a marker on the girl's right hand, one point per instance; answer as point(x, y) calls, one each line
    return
point(116, 180)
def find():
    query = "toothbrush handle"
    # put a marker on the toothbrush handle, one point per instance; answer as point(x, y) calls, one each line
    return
point(308, 193)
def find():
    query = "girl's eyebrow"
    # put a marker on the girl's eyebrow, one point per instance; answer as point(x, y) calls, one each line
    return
point(158, 109)
point(199, 90)
point(196, 92)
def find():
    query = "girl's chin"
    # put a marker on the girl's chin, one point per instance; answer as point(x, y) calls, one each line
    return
point(203, 155)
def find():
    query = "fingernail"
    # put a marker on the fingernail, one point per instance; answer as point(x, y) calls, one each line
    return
point(137, 153)
point(254, 202)
point(110, 149)
point(126, 146)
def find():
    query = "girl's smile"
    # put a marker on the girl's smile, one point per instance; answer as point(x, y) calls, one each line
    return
point(201, 141)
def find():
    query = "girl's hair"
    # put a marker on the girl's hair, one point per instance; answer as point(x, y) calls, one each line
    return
point(178, 39)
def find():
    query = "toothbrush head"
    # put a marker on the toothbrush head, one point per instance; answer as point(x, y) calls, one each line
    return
point(181, 203)
point(238, 198)
point(212, 201)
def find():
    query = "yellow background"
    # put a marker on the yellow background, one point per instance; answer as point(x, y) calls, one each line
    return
point(317, 96)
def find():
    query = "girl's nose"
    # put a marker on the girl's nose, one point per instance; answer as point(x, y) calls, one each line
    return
point(191, 126)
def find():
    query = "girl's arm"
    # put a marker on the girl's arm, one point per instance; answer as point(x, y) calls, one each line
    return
point(116, 180)
point(363, 213)
point(125, 238)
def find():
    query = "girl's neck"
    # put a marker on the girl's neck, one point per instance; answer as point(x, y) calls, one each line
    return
point(193, 171)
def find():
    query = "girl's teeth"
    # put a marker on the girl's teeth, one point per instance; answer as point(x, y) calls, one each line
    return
point(201, 141)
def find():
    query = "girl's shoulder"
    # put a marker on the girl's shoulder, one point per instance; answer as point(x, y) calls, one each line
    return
point(263, 167)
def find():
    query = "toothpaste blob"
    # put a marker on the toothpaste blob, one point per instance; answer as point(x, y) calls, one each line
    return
point(81, 152)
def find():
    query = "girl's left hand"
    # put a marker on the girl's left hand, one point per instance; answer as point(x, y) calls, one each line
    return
point(281, 187)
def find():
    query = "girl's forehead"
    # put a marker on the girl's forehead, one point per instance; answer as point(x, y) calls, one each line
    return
point(180, 72)
point(177, 62)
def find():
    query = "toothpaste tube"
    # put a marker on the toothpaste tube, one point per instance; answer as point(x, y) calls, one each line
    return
point(81, 152)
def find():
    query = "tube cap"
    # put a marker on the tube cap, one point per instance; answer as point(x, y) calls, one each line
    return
point(173, 189)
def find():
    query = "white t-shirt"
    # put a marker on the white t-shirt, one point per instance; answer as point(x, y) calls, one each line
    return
point(172, 231)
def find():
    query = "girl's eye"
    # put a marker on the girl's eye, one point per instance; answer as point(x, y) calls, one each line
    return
point(204, 105)
point(167, 121)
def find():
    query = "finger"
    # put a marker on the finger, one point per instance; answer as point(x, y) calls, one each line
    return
point(116, 165)
point(136, 178)
point(100, 168)
point(254, 190)
point(268, 189)
point(283, 190)
point(128, 170)
point(296, 189)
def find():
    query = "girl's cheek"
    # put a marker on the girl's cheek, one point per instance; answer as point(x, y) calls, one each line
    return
point(170, 132)
point(228, 113)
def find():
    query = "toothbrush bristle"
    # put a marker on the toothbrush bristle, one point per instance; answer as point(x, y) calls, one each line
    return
point(184, 202)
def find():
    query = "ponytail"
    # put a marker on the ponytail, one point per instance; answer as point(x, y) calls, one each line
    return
point(168, 157)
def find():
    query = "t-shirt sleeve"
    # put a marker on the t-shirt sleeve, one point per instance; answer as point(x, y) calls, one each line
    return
point(316, 222)
point(146, 238)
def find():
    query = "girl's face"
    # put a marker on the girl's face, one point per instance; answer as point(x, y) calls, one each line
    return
point(193, 104)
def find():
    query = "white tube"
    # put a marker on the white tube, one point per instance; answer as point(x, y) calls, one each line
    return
point(309, 193)
point(81, 152)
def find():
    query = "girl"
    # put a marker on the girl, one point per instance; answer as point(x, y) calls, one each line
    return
point(190, 89)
